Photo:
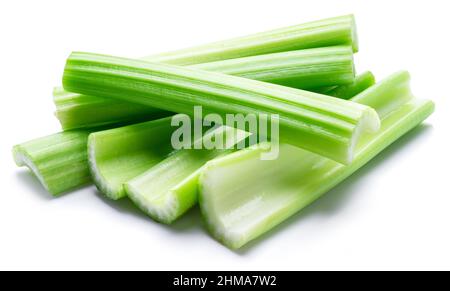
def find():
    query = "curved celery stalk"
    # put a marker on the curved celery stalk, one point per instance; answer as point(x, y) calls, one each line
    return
point(243, 197)
point(322, 124)
point(120, 154)
point(327, 32)
point(300, 69)
point(59, 161)
point(361, 83)
point(167, 190)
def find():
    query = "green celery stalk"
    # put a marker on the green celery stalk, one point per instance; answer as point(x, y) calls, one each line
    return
point(361, 83)
point(327, 32)
point(169, 189)
point(59, 161)
point(322, 124)
point(75, 111)
point(120, 154)
point(243, 197)
point(300, 69)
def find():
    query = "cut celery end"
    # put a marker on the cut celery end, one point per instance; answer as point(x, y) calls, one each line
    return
point(118, 155)
point(169, 189)
point(59, 161)
point(322, 124)
point(239, 207)
point(361, 83)
point(300, 69)
point(327, 32)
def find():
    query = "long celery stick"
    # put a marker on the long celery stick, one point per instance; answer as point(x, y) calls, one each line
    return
point(303, 69)
point(243, 197)
point(322, 124)
point(59, 161)
point(326, 32)
point(169, 189)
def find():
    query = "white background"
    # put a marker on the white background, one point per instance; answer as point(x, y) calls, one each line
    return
point(392, 214)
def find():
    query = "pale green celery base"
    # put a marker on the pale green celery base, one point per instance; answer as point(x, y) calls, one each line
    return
point(167, 190)
point(59, 161)
point(299, 69)
point(240, 207)
point(319, 123)
point(118, 155)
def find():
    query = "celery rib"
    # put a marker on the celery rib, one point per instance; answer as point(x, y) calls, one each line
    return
point(120, 154)
point(317, 67)
point(59, 161)
point(169, 189)
point(361, 83)
point(322, 124)
point(75, 111)
point(327, 32)
point(239, 207)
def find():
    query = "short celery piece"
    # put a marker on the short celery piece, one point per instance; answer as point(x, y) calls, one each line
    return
point(169, 189)
point(361, 83)
point(243, 197)
point(59, 161)
point(322, 124)
point(120, 154)
point(327, 32)
point(304, 69)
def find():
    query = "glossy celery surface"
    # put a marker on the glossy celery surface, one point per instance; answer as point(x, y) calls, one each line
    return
point(317, 67)
point(167, 190)
point(59, 161)
point(242, 197)
point(322, 124)
point(327, 32)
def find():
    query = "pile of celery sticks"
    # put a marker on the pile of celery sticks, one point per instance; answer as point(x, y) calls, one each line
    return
point(117, 114)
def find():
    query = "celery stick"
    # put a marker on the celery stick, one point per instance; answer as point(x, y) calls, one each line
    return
point(59, 161)
point(322, 124)
point(243, 197)
point(169, 189)
point(300, 69)
point(303, 69)
point(327, 32)
point(120, 154)
point(361, 83)
point(76, 111)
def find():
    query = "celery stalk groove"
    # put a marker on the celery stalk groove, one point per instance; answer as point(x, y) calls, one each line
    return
point(169, 189)
point(120, 154)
